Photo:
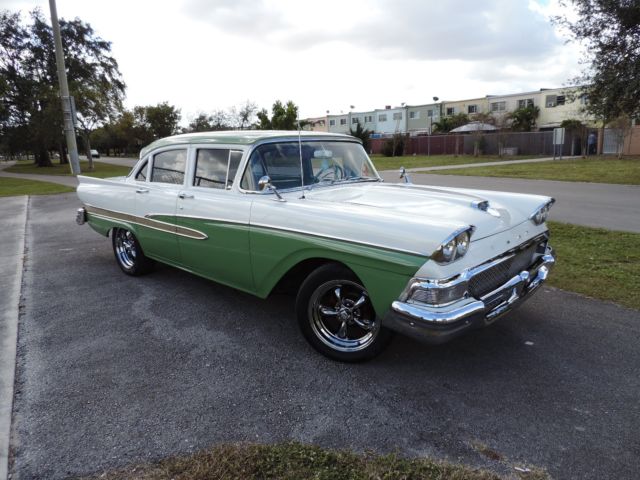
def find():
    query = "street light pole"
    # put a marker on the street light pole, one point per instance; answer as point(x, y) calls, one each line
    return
point(69, 130)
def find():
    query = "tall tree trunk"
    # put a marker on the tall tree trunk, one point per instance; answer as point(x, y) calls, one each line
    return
point(87, 146)
point(42, 158)
point(62, 151)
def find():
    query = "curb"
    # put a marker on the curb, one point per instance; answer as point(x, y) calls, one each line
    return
point(13, 216)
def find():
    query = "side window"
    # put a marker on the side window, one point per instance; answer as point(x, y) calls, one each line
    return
point(234, 163)
point(169, 166)
point(211, 168)
point(216, 168)
point(142, 174)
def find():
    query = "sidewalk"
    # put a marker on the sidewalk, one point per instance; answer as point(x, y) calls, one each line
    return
point(59, 179)
point(13, 218)
point(482, 164)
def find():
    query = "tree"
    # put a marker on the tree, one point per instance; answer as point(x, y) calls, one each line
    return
point(28, 79)
point(283, 117)
point(610, 31)
point(578, 131)
point(524, 119)
point(220, 120)
point(244, 116)
point(162, 119)
point(201, 123)
point(363, 134)
point(446, 124)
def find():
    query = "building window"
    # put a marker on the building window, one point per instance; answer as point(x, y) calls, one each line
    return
point(560, 100)
point(550, 101)
point(414, 115)
point(382, 117)
point(451, 110)
point(355, 120)
point(368, 119)
point(524, 103)
point(472, 109)
point(584, 99)
point(343, 121)
point(429, 113)
point(498, 106)
point(332, 123)
point(397, 116)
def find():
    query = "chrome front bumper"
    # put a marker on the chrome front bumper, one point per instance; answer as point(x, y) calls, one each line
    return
point(434, 325)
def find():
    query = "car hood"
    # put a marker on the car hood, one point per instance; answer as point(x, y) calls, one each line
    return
point(437, 206)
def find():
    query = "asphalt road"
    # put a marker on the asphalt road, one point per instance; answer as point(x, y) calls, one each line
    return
point(615, 207)
point(113, 369)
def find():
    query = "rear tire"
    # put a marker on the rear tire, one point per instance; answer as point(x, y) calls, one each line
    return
point(128, 252)
point(337, 317)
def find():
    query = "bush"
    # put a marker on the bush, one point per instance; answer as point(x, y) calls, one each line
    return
point(394, 146)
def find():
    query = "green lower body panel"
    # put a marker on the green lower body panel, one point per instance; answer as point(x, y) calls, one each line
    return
point(254, 259)
point(384, 273)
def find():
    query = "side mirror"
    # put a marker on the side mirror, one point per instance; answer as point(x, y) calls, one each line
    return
point(265, 183)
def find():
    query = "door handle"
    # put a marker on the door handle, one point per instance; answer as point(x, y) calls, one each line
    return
point(142, 190)
point(185, 195)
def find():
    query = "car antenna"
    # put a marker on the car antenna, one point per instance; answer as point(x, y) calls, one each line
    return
point(300, 153)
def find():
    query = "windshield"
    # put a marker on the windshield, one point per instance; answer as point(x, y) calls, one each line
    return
point(323, 162)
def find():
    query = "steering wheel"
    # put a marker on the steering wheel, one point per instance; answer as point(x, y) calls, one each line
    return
point(334, 172)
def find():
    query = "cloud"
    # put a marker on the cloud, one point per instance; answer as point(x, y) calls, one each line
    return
point(406, 29)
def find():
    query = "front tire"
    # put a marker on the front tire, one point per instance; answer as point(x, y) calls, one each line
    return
point(336, 316)
point(128, 252)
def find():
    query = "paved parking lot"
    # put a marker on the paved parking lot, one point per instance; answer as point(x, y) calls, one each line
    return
point(113, 369)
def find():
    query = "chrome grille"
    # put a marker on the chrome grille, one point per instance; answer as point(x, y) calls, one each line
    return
point(490, 279)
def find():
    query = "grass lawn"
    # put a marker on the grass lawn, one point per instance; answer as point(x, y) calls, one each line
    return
point(409, 161)
point(596, 262)
point(293, 461)
point(17, 186)
point(596, 170)
point(101, 170)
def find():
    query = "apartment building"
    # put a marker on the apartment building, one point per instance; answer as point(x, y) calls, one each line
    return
point(556, 105)
point(420, 118)
point(469, 107)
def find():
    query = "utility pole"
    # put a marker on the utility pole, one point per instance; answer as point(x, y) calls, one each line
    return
point(69, 129)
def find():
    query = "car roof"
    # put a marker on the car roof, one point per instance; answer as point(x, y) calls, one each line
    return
point(240, 137)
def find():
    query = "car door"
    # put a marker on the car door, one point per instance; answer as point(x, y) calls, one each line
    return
point(213, 217)
point(156, 203)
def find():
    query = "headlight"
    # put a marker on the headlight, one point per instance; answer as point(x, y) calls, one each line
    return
point(456, 246)
point(540, 214)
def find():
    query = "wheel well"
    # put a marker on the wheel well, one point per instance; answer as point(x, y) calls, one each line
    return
point(291, 281)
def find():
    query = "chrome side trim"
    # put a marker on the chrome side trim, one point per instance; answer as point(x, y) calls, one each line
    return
point(146, 222)
point(341, 239)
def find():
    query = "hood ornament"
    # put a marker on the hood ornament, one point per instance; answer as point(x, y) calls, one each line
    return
point(485, 207)
point(405, 175)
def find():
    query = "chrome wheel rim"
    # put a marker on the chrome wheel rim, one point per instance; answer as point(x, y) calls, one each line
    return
point(342, 316)
point(126, 248)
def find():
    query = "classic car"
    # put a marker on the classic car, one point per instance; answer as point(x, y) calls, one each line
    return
point(257, 210)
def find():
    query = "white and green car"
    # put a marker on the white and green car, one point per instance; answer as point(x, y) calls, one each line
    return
point(256, 210)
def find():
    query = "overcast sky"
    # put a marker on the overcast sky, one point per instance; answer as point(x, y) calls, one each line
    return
point(203, 55)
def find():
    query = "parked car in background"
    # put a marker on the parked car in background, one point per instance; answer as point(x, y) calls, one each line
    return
point(95, 153)
point(258, 209)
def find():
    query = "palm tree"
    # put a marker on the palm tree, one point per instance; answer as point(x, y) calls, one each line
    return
point(361, 133)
